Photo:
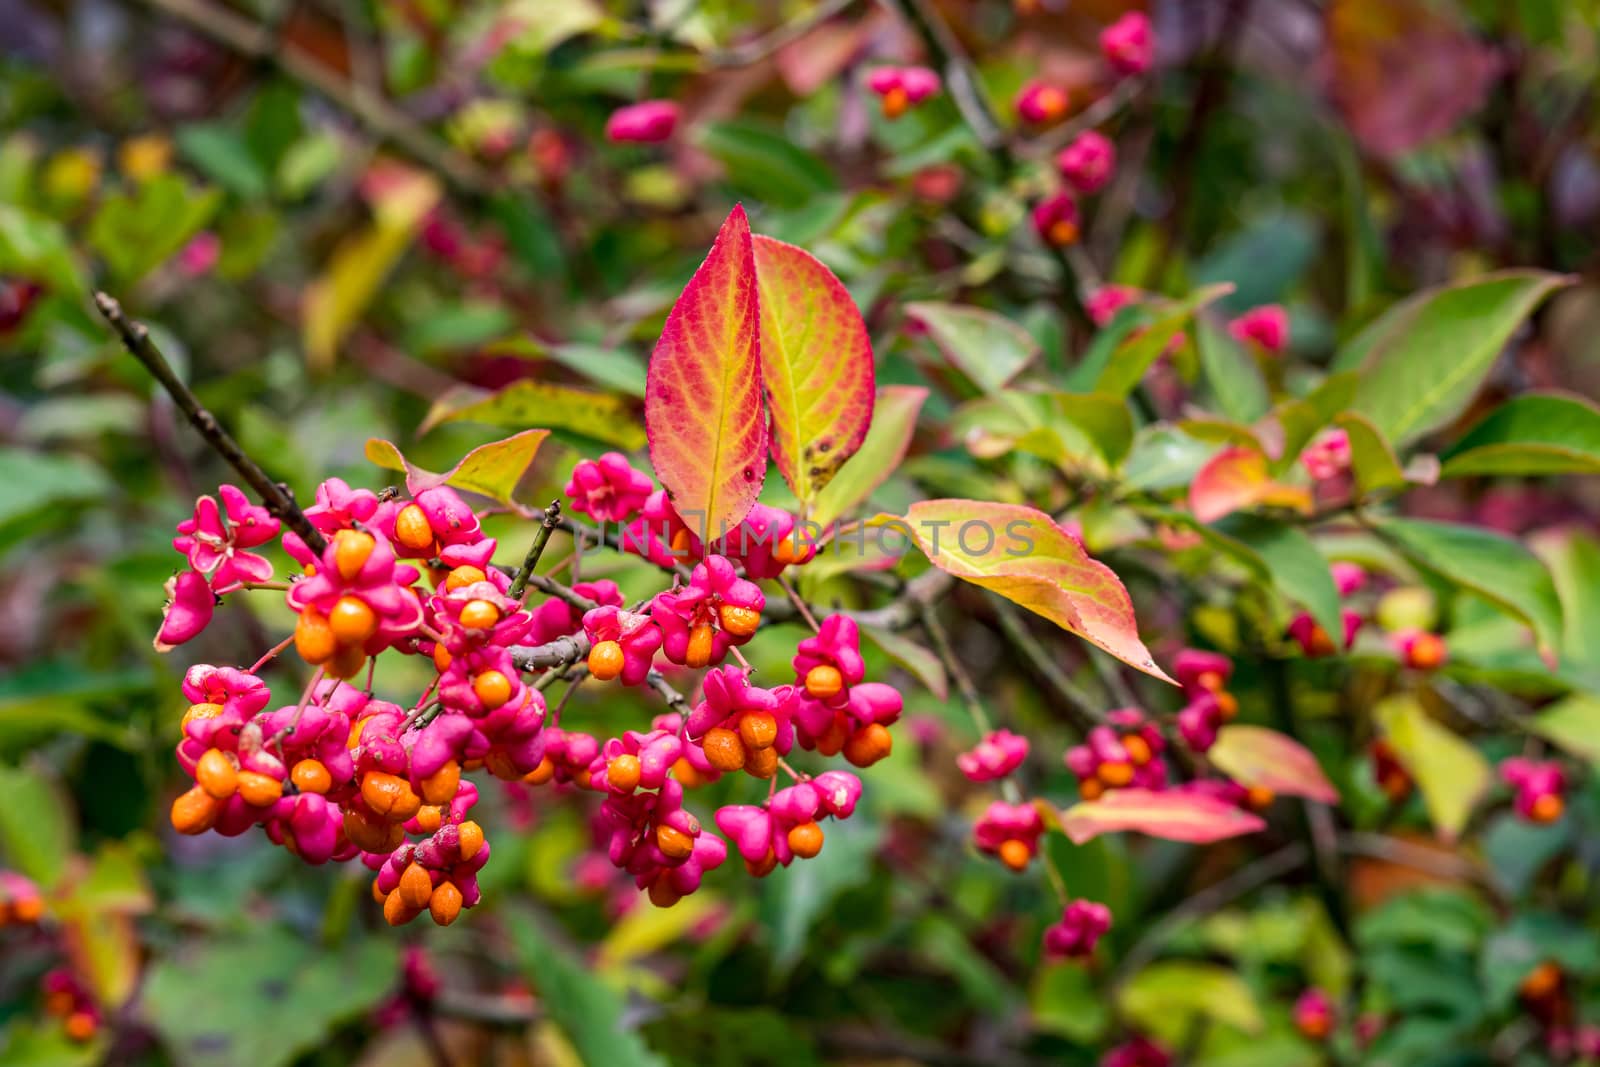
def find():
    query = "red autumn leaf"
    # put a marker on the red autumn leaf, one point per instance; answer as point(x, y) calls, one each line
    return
point(1173, 815)
point(816, 363)
point(1255, 757)
point(702, 400)
point(1237, 478)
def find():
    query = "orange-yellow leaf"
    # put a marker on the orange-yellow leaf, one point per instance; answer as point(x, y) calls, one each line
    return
point(702, 395)
point(816, 362)
point(1197, 818)
point(492, 470)
point(1022, 554)
point(1256, 757)
point(1237, 478)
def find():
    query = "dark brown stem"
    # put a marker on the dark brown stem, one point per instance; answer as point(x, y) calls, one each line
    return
point(136, 339)
point(541, 537)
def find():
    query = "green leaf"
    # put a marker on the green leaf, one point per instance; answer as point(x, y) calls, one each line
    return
point(1422, 361)
point(601, 416)
point(1103, 346)
point(46, 480)
point(492, 470)
point(894, 419)
point(1450, 773)
point(1133, 357)
point(270, 995)
point(1302, 417)
point(989, 349)
point(1297, 569)
point(794, 898)
point(33, 246)
point(926, 667)
point(1537, 433)
point(137, 232)
point(1573, 556)
point(54, 696)
point(1264, 260)
point(1532, 938)
point(1104, 419)
point(1371, 458)
point(307, 162)
point(1448, 920)
point(46, 1044)
point(1064, 1001)
point(588, 1012)
point(1235, 379)
point(613, 368)
point(36, 835)
point(1497, 568)
point(220, 152)
point(1163, 457)
point(457, 327)
point(1166, 999)
point(764, 163)
point(645, 930)
point(1572, 723)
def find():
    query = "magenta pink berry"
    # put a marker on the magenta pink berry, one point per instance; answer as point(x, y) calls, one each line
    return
point(647, 122)
point(1264, 329)
point(1055, 220)
point(1088, 162)
point(1128, 44)
point(1082, 924)
point(996, 756)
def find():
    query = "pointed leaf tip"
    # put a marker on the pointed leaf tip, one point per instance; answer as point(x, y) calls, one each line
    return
point(704, 414)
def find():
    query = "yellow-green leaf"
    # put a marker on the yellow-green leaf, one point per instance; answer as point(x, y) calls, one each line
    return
point(492, 470)
point(1450, 773)
point(361, 262)
point(523, 403)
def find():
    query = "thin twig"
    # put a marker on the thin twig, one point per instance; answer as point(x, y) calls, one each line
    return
point(541, 537)
point(675, 700)
point(940, 640)
point(136, 339)
point(1085, 715)
point(1213, 898)
point(508, 1012)
point(799, 605)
